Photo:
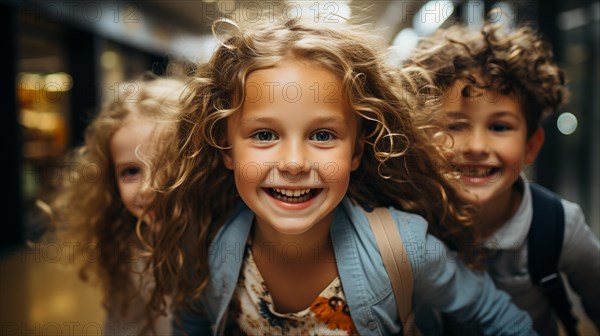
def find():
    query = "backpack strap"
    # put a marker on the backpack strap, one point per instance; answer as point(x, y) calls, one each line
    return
point(396, 263)
point(545, 242)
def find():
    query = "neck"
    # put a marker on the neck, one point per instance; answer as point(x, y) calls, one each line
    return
point(312, 246)
point(496, 213)
point(295, 268)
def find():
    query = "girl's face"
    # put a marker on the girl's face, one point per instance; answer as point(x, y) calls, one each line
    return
point(293, 146)
point(130, 148)
point(490, 142)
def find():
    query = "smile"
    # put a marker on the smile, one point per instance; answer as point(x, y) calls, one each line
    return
point(478, 171)
point(292, 195)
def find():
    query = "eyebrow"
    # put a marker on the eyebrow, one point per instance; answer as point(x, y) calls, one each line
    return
point(126, 164)
point(502, 113)
point(460, 114)
point(454, 114)
point(266, 119)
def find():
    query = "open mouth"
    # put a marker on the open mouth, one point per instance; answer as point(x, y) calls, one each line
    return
point(476, 174)
point(292, 195)
point(478, 171)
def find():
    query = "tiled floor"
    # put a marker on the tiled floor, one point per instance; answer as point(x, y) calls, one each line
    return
point(40, 294)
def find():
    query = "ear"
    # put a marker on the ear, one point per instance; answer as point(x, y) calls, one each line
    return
point(533, 145)
point(357, 155)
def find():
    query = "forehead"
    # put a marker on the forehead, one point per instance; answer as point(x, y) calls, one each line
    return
point(294, 85)
point(135, 132)
point(291, 77)
point(463, 94)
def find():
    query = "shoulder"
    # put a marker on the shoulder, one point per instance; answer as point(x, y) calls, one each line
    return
point(573, 215)
point(412, 227)
point(577, 231)
point(422, 249)
point(573, 212)
point(580, 243)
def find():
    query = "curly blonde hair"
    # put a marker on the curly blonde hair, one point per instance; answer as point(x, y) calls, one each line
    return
point(398, 168)
point(87, 207)
point(514, 62)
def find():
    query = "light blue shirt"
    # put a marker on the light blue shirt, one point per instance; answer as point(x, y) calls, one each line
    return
point(440, 281)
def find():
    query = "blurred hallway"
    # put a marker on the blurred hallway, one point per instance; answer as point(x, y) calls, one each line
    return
point(43, 295)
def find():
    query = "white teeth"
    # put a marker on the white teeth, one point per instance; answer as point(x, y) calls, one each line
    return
point(477, 171)
point(292, 192)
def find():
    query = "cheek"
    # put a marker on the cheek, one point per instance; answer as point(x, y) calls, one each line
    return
point(453, 141)
point(251, 166)
point(451, 147)
point(334, 169)
point(330, 172)
point(448, 153)
point(127, 190)
point(516, 160)
point(250, 171)
point(241, 156)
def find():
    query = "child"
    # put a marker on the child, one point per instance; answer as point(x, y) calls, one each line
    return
point(104, 196)
point(292, 129)
point(498, 86)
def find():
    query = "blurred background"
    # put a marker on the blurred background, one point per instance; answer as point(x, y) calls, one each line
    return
point(62, 59)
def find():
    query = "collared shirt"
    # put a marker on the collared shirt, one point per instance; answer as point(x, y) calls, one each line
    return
point(514, 232)
point(579, 262)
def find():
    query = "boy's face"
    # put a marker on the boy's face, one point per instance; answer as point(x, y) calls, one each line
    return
point(293, 146)
point(490, 142)
point(130, 148)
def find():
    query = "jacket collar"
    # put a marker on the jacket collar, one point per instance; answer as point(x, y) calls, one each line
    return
point(226, 255)
point(349, 229)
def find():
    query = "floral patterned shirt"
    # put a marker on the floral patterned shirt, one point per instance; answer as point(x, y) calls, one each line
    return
point(253, 312)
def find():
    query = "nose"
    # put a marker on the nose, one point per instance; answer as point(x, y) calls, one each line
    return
point(476, 143)
point(145, 193)
point(294, 157)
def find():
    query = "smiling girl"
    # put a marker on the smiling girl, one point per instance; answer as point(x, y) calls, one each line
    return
point(291, 131)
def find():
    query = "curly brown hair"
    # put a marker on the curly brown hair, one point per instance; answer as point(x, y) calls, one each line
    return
point(87, 207)
point(399, 167)
point(514, 62)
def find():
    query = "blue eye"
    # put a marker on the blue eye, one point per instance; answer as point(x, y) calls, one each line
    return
point(322, 136)
point(264, 136)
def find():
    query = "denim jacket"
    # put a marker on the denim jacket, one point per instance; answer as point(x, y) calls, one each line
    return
point(439, 279)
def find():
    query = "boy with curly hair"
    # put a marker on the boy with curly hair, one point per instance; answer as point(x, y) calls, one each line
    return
point(495, 87)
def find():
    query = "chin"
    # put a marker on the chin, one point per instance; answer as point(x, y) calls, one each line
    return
point(292, 230)
point(472, 197)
